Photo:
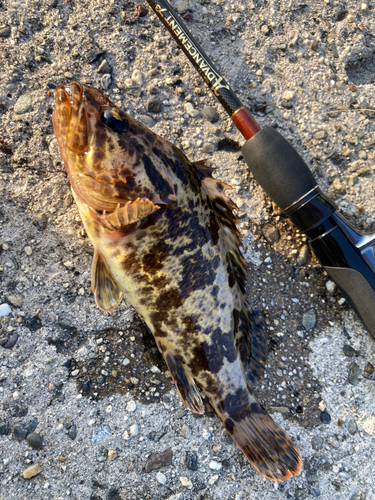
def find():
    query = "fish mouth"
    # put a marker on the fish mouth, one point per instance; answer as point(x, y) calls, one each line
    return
point(75, 113)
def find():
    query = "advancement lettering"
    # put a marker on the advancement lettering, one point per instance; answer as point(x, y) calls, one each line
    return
point(217, 82)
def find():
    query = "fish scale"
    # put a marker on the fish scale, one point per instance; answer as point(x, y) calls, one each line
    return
point(165, 238)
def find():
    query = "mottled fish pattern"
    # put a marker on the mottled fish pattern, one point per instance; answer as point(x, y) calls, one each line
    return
point(165, 237)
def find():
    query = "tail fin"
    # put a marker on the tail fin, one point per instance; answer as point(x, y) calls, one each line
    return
point(265, 444)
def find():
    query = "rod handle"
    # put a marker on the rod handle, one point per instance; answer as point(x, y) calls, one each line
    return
point(277, 167)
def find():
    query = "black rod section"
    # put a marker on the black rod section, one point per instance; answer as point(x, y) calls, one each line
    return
point(196, 56)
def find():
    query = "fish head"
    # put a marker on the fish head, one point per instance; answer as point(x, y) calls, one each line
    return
point(110, 158)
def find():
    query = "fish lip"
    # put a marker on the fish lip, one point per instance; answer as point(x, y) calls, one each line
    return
point(88, 93)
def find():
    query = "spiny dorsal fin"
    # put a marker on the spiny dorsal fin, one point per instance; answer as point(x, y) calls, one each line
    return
point(203, 170)
point(107, 293)
point(131, 212)
point(185, 384)
point(250, 338)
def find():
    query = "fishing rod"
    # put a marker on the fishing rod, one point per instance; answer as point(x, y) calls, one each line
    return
point(346, 254)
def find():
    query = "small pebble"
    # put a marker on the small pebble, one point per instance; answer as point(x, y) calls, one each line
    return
point(325, 417)
point(104, 67)
point(320, 135)
point(286, 104)
point(100, 433)
point(4, 428)
point(112, 454)
point(322, 405)
point(309, 319)
point(9, 341)
point(215, 465)
point(350, 352)
point(5, 310)
point(208, 147)
point(278, 409)
point(148, 121)
point(265, 29)
point(314, 45)
point(140, 11)
point(137, 77)
point(186, 482)
point(126, 362)
point(28, 250)
point(369, 371)
point(213, 479)
point(271, 233)
point(317, 443)
point(190, 110)
point(131, 406)
point(40, 222)
point(72, 432)
point(188, 16)
point(32, 425)
point(185, 431)
point(5, 31)
point(31, 471)
point(352, 210)
point(106, 81)
point(191, 460)
point(331, 287)
point(303, 255)
point(160, 477)
point(158, 460)
point(288, 95)
point(154, 105)
point(133, 430)
point(19, 431)
point(181, 412)
point(352, 427)
point(34, 440)
point(210, 114)
point(93, 55)
point(353, 373)
point(333, 442)
point(23, 105)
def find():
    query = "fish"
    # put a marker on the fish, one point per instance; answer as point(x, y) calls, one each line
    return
point(165, 238)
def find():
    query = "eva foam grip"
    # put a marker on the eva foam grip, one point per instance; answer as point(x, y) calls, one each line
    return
point(277, 167)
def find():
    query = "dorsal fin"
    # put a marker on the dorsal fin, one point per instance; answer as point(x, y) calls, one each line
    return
point(250, 338)
point(107, 293)
point(185, 384)
point(131, 212)
point(251, 343)
point(203, 170)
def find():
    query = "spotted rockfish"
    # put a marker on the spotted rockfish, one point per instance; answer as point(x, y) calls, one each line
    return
point(165, 237)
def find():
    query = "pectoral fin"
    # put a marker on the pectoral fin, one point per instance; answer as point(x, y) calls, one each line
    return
point(107, 293)
point(185, 384)
point(125, 215)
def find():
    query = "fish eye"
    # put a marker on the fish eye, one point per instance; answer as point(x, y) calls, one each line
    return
point(114, 121)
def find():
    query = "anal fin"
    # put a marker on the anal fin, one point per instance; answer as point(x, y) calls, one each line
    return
point(107, 293)
point(185, 384)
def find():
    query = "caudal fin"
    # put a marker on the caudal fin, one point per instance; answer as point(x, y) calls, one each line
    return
point(264, 443)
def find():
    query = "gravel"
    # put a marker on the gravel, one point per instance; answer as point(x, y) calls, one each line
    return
point(305, 68)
